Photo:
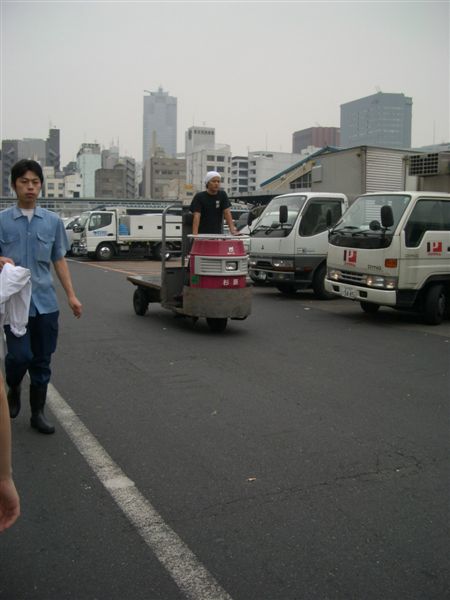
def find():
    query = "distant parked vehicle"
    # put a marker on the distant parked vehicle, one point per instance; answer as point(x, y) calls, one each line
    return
point(69, 223)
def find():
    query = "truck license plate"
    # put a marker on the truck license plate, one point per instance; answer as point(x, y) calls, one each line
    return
point(349, 293)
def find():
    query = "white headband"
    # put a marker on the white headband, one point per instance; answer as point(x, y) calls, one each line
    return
point(210, 175)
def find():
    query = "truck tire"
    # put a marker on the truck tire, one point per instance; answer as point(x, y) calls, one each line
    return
point(369, 307)
point(217, 325)
point(156, 252)
point(434, 307)
point(286, 288)
point(140, 301)
point(318, 284)
point(104, 251)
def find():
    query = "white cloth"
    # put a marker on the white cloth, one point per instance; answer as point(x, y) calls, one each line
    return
point(15, 297)
point(210, 174)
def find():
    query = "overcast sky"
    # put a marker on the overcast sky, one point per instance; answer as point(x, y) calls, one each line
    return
point(256, 71)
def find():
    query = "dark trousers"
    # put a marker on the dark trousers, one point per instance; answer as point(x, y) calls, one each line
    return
point(33, 351)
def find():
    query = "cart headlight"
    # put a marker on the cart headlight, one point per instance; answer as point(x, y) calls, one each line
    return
point(334, 274)
point(377, 281)
point(283, 263)
point(231, 265)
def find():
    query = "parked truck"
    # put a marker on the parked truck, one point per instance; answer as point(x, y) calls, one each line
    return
point(289, 241)
point(106, 233)
point(393, 249)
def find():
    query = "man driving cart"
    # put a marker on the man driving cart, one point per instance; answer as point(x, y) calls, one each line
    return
point(211, 207)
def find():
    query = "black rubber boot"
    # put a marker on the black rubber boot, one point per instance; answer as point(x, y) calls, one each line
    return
point(38, 395)
point(14, 400)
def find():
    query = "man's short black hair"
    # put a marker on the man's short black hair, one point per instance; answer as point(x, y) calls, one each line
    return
point(24, 165)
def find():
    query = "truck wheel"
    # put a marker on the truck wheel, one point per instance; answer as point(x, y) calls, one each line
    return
point(217, 325)
point(369, 307)
point(104, 252)
point(434, 305)
point(286, 288)
point(318, 284)
point(140, 301)
point(156, 251)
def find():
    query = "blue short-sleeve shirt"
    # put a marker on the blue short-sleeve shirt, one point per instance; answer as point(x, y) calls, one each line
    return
point(35, 245)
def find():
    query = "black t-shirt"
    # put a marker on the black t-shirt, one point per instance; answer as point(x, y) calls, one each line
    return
point(210, 207)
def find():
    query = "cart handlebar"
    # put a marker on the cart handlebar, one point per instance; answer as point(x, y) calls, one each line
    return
point(217, 236)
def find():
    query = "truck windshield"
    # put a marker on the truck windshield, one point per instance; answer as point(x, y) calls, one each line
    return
point(269, 222)
point(360, 226)
point(83, 220)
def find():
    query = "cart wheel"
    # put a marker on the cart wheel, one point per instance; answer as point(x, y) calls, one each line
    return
point(217, 325)
point(140, 302)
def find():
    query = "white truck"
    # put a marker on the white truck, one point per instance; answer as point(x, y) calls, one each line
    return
point(105, 233)
point(393, 249)
point(289, 241)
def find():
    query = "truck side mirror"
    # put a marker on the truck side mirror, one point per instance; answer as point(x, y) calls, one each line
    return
point(283, 214)
point(329, 219)
point(387, 216)
point(250, 218)
point(77, 228)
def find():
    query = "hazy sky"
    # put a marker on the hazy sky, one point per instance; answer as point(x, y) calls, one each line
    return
point(256, 71)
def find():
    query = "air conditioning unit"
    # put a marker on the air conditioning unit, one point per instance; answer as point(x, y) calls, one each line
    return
point(423, 165)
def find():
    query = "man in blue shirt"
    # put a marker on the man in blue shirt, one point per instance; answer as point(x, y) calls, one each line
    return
point(33, 237)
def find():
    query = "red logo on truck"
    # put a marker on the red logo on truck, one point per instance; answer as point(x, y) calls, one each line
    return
point(434, 248)
point(350, 257)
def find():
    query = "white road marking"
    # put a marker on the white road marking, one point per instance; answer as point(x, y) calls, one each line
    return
point(189, 574)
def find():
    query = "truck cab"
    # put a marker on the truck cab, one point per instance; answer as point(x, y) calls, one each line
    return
point(393, 249)
point(289, 241)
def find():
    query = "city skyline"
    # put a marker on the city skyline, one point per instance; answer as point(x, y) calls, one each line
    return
point(276, 69)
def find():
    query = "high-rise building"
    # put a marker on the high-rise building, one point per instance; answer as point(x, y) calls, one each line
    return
point(45, 152)
point(317, 137)
point(377, 120)
point(159, 123)
point(239, 175)
point(197, 137)
point(10, 155)
point(217, 158)
point(52, 152)
point(263, 164)
point(129, 165)
point(89, 159)
point(110, 157)
point(54, 185)
point(111, 183)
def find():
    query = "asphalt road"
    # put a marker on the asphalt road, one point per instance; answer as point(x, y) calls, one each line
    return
point(302, 454)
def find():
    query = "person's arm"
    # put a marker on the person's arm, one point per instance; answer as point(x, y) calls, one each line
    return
point(63, 273)
point(229, 220)
point(195, 223)
point(9, 498)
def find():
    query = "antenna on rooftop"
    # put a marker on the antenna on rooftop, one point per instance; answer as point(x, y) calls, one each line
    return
point(378, 89)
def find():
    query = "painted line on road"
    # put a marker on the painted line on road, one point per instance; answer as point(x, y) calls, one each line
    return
point(103, 267)
point(193, 579)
